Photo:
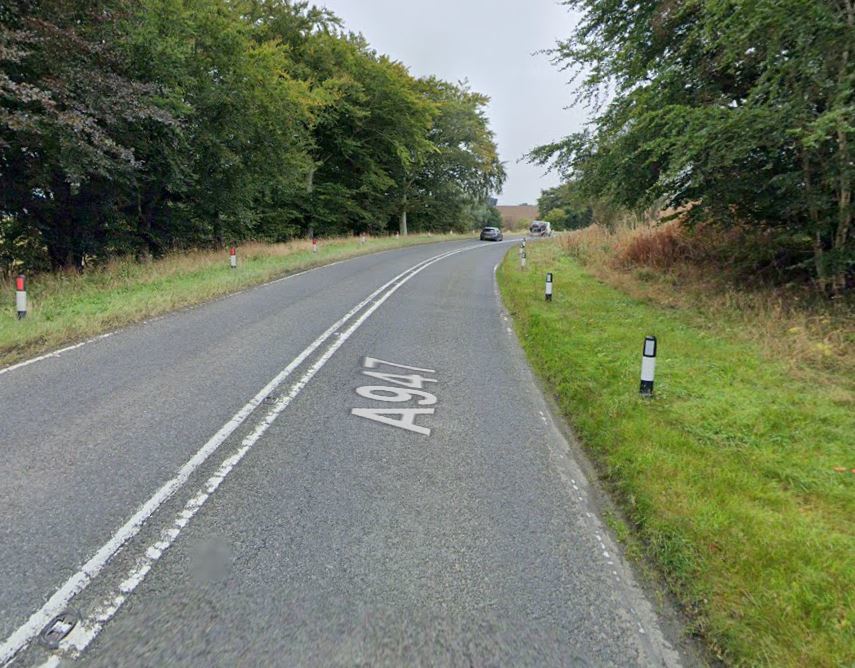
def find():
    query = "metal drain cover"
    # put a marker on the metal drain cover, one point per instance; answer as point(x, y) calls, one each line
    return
point(57, 628)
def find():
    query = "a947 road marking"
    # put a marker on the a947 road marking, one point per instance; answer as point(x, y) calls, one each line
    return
point(404, 388)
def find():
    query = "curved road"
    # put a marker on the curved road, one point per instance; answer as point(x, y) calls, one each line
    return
point(349, 466)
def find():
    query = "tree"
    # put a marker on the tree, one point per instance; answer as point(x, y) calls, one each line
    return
point(455, 179)
point(139, 126)
point(66, 103)
point(740, 112)
point(563, 207)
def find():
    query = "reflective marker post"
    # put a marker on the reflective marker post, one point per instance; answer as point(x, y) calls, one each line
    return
point(522, 259)
point(549, 287)
point(314, 245)
point(233, 257)
point(648, 366)
point(21, 296)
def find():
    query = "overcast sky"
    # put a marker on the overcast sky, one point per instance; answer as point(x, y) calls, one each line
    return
point(490, 43)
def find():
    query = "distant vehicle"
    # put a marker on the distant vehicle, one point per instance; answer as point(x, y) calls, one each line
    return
point(540, 228)
point(491, 234)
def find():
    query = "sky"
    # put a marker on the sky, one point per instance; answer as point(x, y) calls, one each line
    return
point(492, 44)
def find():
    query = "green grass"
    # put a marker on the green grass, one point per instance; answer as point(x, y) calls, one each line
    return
point(68, 307)
point(728, 475)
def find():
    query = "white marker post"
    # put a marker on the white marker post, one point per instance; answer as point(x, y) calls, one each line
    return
point(522, 259)
point(314, 245)
point(648, 366)
point(21, 296)
point(549, 287)
point(233, 257)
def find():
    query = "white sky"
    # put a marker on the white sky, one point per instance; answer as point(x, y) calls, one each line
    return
point(490, 43)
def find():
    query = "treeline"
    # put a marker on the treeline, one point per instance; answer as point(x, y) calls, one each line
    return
point(140, 126)
point(738, 113)
point(562, 207)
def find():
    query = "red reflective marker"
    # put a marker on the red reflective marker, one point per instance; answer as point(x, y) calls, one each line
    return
point(21, 296)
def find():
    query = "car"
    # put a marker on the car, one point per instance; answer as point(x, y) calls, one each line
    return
point(491, 234)
point(540, 228)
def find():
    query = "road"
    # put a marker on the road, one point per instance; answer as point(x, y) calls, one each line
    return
point(349, 466)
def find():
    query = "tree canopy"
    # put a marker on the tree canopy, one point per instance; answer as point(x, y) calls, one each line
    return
point(737, 112)
point(141, 126)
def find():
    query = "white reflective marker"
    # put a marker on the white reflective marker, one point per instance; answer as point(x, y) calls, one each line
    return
point(648, 366)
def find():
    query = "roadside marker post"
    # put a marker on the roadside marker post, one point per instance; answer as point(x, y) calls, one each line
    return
point(648, 366)
point(314, 245)
point(522, 260)
point(233, 257)
point(21, 296)
point(549, 287)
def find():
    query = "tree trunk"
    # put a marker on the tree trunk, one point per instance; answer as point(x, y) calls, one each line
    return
point(844, 194)
point(218, 230)
point(844, 221)
point(403, 224)
point(818, 249)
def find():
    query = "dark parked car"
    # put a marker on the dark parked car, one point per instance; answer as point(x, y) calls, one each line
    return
point(491, 234)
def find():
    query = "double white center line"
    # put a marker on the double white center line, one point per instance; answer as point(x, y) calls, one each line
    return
point(83, 634)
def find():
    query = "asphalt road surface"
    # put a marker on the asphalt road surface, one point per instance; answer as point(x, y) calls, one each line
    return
point(349, 466)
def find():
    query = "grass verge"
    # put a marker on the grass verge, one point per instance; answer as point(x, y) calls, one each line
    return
point(67, 307)
point(738, 477)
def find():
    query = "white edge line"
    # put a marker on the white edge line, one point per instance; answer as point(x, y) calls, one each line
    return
point(55, 353)
point(83, 634)
point(80, 580)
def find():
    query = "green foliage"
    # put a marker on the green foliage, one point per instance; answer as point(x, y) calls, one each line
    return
point(138, 126)
point(563, 207)
point(739, 112)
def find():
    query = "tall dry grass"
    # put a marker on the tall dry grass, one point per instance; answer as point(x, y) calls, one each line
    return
point(728, 277)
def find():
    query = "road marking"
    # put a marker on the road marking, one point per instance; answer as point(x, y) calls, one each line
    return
point(55, 353)
point(406, 416)
point(94, 339)
point(406, 419)
point(81, 579)
point(77, 641)
point(395, 394)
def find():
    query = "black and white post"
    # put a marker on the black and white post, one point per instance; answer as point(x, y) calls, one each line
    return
point(233, 257)
point(549, 287)
point(21, 296)
point(648, 366)
point(522, 259)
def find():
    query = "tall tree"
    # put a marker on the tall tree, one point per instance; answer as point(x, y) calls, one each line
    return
point(742, 111)
point(455, 179)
